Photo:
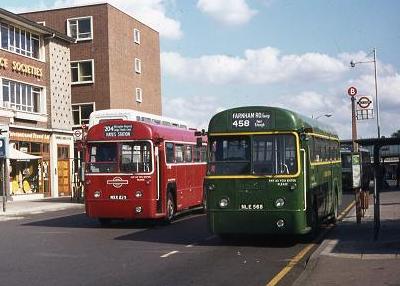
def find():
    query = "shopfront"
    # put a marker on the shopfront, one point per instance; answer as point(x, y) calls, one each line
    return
point(29, 163)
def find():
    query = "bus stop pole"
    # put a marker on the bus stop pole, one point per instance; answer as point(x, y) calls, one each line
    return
point(355, 149)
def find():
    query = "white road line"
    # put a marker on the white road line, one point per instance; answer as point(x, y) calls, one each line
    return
point(190, 245)
point(169, 254)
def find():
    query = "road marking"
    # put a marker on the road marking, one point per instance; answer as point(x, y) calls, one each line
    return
point(292, 262)
point(169, 254)
point(190, 245)
point(290, 265)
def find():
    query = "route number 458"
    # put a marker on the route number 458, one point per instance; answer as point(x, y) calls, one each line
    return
point(241, 123)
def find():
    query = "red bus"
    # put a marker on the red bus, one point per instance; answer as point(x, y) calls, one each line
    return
point(138, 170)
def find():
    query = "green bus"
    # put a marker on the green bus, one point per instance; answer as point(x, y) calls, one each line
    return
point(271, 171)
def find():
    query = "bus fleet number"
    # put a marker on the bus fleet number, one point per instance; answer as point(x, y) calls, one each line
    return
point(241, 123)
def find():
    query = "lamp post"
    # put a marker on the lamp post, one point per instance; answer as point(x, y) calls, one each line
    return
point(327, 115)
point(353, 64)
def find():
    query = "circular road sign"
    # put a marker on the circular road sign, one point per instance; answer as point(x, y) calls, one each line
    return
point(364, 102)
point(352, 91)
point(78, 133)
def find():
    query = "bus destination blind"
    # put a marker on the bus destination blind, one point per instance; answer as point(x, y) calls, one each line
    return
point(118, 130)
point(250, 120)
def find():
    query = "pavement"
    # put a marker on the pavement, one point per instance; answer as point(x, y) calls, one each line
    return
point(350, 254)
point(23, 208)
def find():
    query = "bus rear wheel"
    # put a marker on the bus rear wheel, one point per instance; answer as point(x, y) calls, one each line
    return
point(335, 213)
point(105, 222)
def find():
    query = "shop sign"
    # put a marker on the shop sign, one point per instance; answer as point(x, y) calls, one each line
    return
point(33, 136)
point(21, 68)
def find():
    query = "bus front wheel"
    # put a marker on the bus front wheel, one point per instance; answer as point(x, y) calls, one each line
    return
point(170, 208)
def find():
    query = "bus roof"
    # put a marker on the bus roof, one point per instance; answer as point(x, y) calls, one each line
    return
point(115, 130)
point(266, 118)
point(134, 115)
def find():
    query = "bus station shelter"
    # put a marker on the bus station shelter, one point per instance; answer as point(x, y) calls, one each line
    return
point(378, 168)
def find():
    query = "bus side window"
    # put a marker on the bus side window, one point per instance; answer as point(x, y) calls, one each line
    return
point(203, 153)
point(170, 152)
point(188, 154)
point(196, 154)
point(178, 153)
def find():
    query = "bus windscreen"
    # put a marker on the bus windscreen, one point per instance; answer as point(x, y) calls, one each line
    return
point(257, 155)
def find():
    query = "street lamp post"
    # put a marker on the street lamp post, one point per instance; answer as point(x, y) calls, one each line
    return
point(353, 64)
point(327, 115)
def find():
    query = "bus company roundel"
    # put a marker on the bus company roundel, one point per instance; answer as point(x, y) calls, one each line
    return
point(364, 102)
point(117, 182)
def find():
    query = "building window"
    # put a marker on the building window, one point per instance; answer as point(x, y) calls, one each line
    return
point(139, 94)
point(20, 96)
point(43, 23)
point(138, 65)
point(82, 72)
point(81, 113)
point(19, 41)
point(136, 36)
point(81, 28)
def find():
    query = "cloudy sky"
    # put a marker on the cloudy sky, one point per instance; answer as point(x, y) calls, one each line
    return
point(218, 54)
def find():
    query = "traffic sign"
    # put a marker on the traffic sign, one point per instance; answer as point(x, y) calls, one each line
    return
point(364, 102)
point(352, 91)
point(78, 134)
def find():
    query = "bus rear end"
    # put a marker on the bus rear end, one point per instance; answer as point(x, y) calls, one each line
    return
point(121, 176)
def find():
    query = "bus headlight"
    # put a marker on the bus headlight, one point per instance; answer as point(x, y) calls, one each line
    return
point(223, 203)
point(97, 194)
point(138, 210)
point(279, 202)
point(138, 194)
point(280, 223)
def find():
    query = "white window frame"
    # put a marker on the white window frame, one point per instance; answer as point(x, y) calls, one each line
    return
point(80, 112)
point(136, 36)
point(14, 106)
point(139, 95)
point(138, 65)
point(85, 81)
point(69, 20)
point(27, 50)
point(43, 23)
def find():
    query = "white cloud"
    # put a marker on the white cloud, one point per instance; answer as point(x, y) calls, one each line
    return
point(151, 12)
point(262, 66)
point(196, 111)
point(228, 12)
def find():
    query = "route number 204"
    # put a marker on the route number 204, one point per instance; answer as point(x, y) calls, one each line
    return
point(241, 123)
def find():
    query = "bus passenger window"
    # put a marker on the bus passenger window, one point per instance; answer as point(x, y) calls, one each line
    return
point(170, 154)
point(188, 154)
point(179, 153)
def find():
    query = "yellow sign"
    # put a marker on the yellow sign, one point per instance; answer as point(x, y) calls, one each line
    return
point(26, 69)
point(21, 68)
point(3, 63)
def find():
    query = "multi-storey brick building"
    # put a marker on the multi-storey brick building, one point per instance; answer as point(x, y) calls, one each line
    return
point(115, 61)
point(35, 107)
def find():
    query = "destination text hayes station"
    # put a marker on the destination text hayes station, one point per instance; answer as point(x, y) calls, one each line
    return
point(271, 170)
point(137, 170)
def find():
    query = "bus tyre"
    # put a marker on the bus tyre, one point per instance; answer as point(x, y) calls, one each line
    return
point(105, 222)
point(204, 202)
point(170, 208)
point(335, 213)
point(314, 226)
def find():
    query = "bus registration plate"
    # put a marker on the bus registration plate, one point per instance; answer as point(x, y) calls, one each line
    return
point(118, 197)
point(251, 206)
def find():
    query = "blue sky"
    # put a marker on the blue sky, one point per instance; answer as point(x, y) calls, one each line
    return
point(218, 54)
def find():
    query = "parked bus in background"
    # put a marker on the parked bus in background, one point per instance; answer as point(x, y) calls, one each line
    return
point(271, 171)
point(138, 170)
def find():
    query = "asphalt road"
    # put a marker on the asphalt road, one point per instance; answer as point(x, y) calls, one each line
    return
point(67, 248)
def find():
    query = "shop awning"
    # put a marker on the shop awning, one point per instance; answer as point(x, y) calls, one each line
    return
point(21, 156)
